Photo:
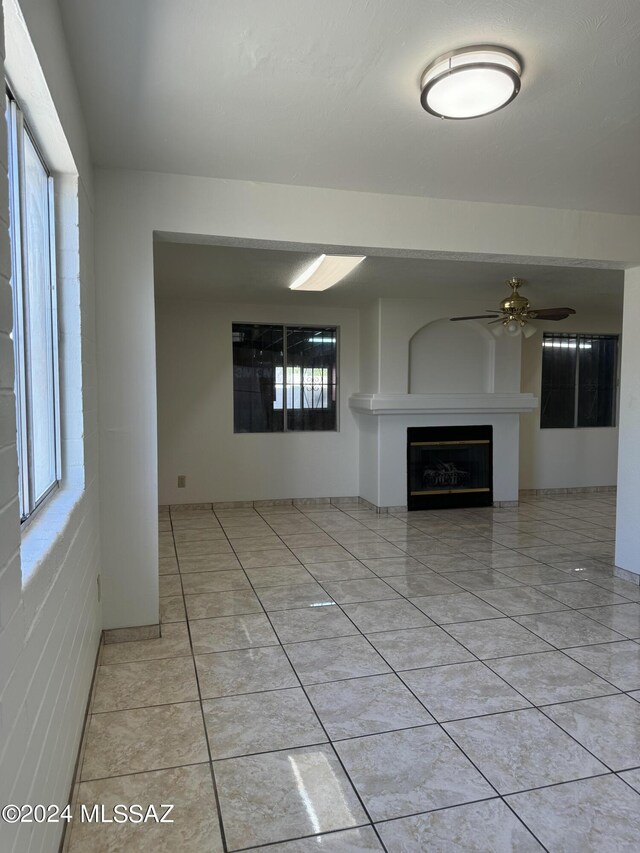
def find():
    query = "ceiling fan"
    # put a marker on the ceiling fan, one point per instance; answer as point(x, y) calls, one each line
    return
point(515, 312)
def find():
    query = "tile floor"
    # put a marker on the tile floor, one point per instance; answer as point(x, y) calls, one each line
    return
point(335, 680)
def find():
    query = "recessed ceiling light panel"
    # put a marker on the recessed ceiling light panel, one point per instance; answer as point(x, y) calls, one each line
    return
point(326, 271)
point(471, 82)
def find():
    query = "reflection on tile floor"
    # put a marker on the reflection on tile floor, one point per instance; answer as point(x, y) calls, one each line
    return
point(335, 680)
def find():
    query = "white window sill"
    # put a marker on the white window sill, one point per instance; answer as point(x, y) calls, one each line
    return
point(46, 530)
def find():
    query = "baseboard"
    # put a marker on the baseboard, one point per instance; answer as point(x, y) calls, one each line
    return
point(342, 502)
point(626, 575)
point(261, 504)
point(128, 635)
point(571, 490)
point(75, 782)
point(355, 501)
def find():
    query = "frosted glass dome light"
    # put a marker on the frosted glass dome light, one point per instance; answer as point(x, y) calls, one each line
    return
point(470, 82)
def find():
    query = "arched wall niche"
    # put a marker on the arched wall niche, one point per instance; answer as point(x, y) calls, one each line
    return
point(451, 358)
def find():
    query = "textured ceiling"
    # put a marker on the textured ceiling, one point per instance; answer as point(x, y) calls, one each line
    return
point(326, 94)
point(237, 274)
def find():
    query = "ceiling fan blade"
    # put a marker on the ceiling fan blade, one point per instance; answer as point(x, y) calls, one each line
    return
point(475, 317)
point(499, 320)
point(551, 313)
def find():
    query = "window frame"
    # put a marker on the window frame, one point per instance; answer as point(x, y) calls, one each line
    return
point(285, 409)
point(582, 337)
point(18, 128)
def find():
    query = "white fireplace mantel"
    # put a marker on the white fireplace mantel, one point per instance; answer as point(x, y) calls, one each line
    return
point(441, 404)
point(383, 440)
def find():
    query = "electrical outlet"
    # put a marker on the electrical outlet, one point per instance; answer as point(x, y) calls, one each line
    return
point(182, 481)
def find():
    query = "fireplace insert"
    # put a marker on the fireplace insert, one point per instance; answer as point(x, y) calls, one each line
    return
point(449, 467)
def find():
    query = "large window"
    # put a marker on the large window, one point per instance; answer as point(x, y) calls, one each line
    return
point(579, 380)
point(284, 378)
point(35, 332)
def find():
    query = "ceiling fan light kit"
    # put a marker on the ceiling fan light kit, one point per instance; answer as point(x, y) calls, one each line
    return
point(515, 313)
point(470, 82)
point(512, 327)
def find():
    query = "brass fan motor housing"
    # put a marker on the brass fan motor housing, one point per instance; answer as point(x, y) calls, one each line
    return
point(515, 312)
point(515, 306)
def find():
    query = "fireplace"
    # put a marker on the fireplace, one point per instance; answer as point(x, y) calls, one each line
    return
point(449, 467)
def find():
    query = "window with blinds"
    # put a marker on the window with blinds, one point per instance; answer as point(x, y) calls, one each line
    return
point(285, 378)
point(579, 380)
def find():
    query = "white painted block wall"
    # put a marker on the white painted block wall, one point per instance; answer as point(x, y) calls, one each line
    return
point(50, 625)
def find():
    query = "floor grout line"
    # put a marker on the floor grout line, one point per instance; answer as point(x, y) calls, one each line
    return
point(216, 793)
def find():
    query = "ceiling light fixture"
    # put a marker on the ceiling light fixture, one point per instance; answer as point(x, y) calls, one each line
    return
point(515, 313)
point(326, 271)
point(470, 82)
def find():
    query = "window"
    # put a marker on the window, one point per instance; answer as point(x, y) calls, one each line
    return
point(284, 378)
point(579, 375)
point(35, 332)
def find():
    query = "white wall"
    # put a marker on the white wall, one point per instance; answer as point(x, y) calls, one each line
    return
point(401, 319)
point(564, 458)
point(370, 347)
point(195, 411)
point(50, 620)
point(628, 503)
point(130, 206)
point(445, 357)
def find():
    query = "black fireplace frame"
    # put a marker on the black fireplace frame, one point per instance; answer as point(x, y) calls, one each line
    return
point(451, 498)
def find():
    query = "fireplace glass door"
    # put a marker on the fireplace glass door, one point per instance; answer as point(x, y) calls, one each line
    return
point(449, 467)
